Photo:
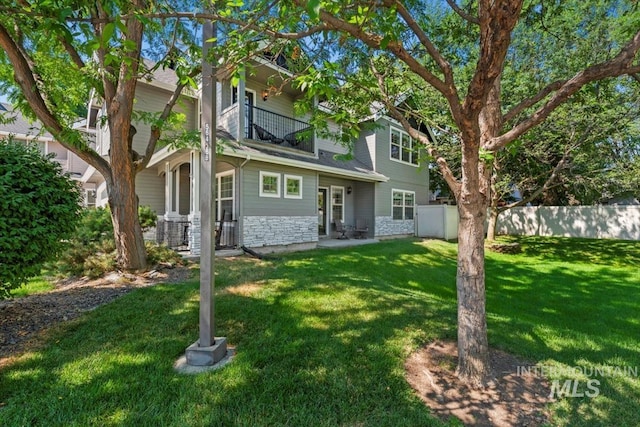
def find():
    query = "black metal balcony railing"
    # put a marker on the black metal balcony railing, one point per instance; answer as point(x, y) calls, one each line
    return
point(272, 128)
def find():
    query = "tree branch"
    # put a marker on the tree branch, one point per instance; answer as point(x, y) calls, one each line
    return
point(530, 102)
point(619, 65)
point(497, 19)
point(155, 130)
point(447, 173)
point(546, 186)
point(464, 15)
point(444, 65)
point(24, 77)
point(373, 41)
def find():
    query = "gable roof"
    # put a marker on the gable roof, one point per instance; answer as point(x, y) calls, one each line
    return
point(20, 126)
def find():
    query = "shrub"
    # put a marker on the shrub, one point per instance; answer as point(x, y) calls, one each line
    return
point(91, 250)
point(39, 208)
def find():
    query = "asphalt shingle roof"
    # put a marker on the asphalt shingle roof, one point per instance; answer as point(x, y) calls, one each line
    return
point(19, 124)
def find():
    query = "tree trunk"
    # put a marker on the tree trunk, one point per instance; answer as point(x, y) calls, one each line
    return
point(473, 202)
point(492, 223)
point(473, 347)
point(130, 249)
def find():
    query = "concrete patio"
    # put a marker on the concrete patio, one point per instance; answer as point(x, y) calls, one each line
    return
point(343, 243)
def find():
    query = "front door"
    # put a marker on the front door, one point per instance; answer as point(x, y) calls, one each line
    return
point(322, 211)
point(249, 101)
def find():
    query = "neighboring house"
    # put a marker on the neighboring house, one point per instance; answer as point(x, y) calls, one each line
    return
point(21, 129)
point(277, 184)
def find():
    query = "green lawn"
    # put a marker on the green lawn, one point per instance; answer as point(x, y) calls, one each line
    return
point(33, 286)
point(322, 336)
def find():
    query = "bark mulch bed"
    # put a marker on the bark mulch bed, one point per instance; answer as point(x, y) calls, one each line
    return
point(23, 319)
point(512, 398)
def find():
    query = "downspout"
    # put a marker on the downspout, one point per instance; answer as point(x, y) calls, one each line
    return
point(240, 204)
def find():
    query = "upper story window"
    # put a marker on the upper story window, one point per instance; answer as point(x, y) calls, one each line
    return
point(403, 147)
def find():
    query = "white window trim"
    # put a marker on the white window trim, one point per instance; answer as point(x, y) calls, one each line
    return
point(286, 189)
point(413, 141)
point(397, 190)
point(331, 219)
point(264, 174)
point(218, 190)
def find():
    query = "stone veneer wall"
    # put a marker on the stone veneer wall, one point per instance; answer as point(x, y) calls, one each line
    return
point(262, 231)
point(387, 226)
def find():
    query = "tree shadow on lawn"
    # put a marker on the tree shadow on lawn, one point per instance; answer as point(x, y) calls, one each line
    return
point(579, 250)
point(569, 316)
point(310, 352)
point(321, 340)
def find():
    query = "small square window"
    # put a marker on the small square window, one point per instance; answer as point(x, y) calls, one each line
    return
point(269, 184)
point(292, 187)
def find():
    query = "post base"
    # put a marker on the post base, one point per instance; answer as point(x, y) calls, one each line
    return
point(206, 356)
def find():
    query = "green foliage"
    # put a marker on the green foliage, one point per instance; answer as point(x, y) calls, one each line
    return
point(39, 207)
point(157, 254)
point(91, 249)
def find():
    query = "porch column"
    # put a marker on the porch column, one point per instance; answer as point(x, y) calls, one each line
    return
point(242, 109)
point(194, 209)
point(168, 186)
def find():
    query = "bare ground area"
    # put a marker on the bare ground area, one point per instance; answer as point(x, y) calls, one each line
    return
point(512, 398)
point(22, 320)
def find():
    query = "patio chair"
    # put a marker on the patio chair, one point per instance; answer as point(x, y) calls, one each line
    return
point(341, 228)
point(265, 135)
point(297, 137)
point(361, 230)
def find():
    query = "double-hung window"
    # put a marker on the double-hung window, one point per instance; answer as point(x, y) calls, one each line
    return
point(403, 147)
point(403, 203)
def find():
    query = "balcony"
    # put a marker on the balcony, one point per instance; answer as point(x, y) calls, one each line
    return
point(267, 127)
point(272, 128)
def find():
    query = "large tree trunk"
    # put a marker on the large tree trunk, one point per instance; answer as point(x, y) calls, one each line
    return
point(473, 348)
point(130, 249)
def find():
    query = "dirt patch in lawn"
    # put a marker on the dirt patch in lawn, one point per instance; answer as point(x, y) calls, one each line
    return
point(23, 320)
point(245, 289)
point(513, 398)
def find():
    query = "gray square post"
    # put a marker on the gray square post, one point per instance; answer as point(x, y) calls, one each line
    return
point(209, 349)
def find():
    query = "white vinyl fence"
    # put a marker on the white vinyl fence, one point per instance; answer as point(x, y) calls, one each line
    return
point(597, 222)
point(439, 221)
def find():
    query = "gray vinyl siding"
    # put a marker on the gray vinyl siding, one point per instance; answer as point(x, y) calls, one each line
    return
point(150, 190)
point(276, 103)
point(365, 148)
point(349, 199)
point(327, 144)
point(154, 99)
point(364, 196)
point(402, 176)
point(254, 205)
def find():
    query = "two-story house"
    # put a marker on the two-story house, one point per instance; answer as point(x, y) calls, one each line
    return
point(277, 184)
